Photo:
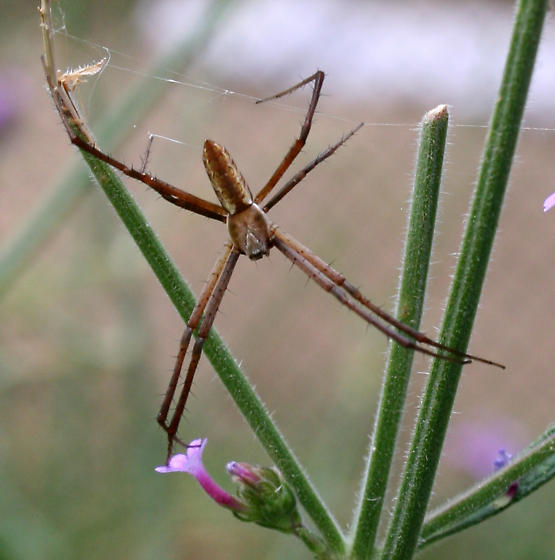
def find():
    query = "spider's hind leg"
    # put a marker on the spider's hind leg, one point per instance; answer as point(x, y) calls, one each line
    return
point(203, 316)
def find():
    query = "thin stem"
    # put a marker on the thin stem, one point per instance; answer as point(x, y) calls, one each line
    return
point(440, 393)
point(410, 303)
point(534, 467)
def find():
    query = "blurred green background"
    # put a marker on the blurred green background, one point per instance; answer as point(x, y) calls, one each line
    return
point(88, 336)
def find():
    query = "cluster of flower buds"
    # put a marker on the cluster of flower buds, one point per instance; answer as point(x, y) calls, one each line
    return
point(270, 502)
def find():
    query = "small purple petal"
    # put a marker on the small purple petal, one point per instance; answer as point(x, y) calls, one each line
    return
point(243, 472)
point(176, 463)
point(503, 459)
point(549, 202)
point(191, 462)
point(472, 446)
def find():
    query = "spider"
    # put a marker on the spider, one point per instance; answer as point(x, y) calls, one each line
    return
point(253, 234)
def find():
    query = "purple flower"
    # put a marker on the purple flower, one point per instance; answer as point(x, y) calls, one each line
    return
point(549, 202)
point(191, 462)
point(471, 446)
point(264, 497)
point(503, 459)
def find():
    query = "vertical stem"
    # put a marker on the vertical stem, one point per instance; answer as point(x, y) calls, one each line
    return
point(410, 302)
point(440, 393)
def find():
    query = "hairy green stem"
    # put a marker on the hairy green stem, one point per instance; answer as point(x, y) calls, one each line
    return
point(410, 303)
point(532, 468)
point(433, 418)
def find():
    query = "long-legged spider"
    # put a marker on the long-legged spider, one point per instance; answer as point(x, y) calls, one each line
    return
point(251, 233)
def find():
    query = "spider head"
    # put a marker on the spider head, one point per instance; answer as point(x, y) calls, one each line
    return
point(250, 232)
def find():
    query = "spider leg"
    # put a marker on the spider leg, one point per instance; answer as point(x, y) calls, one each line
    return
point(68, 113)
point(308, 168)
point(169, 192)
point(324, 282)
point(192, 324)
point(209, 302)
point(335, 283)
point(318, 79)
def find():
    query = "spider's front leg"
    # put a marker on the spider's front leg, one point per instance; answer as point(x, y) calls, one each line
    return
point(318, 79)
point(82, 138)
point(294, 150)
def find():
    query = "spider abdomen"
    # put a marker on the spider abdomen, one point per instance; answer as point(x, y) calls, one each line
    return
point(227, 181)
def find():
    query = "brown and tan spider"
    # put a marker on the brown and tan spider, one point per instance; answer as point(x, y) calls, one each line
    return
point(251, 233)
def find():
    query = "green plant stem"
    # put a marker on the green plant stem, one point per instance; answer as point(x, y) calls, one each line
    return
point(410, 303)
point(534, 467)
point(433, 418)
point(112, 131)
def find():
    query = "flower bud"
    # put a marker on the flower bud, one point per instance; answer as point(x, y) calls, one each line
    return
point(269, 501)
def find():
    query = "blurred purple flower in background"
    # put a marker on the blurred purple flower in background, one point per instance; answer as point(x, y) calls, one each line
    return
point(471, 446)
point(549, 202)
point(13, 94)
point(502, 460)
